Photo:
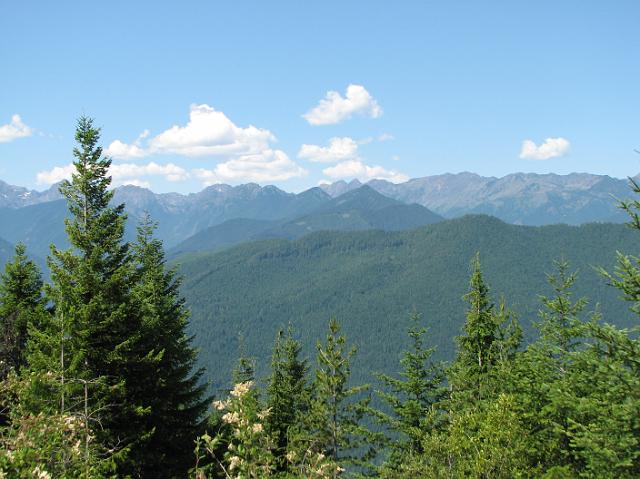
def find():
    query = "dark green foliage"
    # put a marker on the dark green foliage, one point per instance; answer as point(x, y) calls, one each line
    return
point(21, 304)
point(96, 318)
point(337, 407)
point(490, 339)
point(172, 392)
point(288, 397)
point(412, 400)
point(373, 279)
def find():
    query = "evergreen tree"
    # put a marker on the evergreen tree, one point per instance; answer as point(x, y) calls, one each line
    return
point(94, 342)
point(489, 339)
point(412, 399)
point(175, 398)
point(337, 408)
point(541, 377)
point(21, 302)
point(287, 395)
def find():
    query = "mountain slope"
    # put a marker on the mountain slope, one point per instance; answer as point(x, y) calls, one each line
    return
point(18, 197)
point(178, 216)
point(37, 226)
point(371, 280)
point(520, 198)
point(360, 209)
point(6, 252)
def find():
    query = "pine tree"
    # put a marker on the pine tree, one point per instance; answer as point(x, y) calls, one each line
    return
point(174, 395)
point(489, 338)
point(542, 375)
point(287, 395)
point(93, 342)
point(337, 409)
point(21, 302)
point(412, 399)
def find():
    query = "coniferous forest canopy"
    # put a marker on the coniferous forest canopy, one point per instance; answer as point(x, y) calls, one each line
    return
point(464, 348)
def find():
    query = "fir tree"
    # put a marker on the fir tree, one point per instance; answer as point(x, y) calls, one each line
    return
point(94, 341)
point(337, 408)
point(287, 395)
point(21, 302)
point(412, 399)
point(175, 397)
point(490, 338)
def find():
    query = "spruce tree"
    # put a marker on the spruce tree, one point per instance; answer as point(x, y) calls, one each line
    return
point(287, 395)
point(21, 302)
point(94, 342)
point(412, 399)
point(175, 397)
point(475, 347)
point(337, 408)
point(542, 375)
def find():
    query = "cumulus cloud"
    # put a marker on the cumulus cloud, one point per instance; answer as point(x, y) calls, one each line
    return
point(339, 149)
point(246, 151)
point(55, 175)
point(207, 133)
point(551, 148)
point(168, 171)
point(268, 165)
point(13, 130)
point(118, 149)
point(357, 169)
point(335, 108)
point(125, 173)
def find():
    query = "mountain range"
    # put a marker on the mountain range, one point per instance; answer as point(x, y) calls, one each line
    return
point(223, 215)
point(519, 198)
point(257, 258)
point(359, 209)
point(371, 280)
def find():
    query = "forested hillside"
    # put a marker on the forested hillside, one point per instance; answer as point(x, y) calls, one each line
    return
point(371, 280)
point(359, 209)
point(99, 376)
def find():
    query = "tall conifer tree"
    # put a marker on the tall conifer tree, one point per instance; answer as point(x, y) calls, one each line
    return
point(21, 301)
point(175, 397)
point(287, 395)
point(412, 399)
point(490, 338)
point(337, 407)
point(94, 341)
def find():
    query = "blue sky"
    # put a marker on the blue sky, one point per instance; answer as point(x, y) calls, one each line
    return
point(193, 93)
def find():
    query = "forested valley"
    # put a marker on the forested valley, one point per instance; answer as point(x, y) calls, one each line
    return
point(100, 374)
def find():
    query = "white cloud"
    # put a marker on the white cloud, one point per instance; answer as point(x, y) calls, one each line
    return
point(118, 149)
point(386, 137)
point(124, 173)
point(247, 150)
point(357, 169)
point(335, 108)
point(551, 148)
point(207, 133)
point(169, 171)
point(13, 130)
point(339, 149)
point(266, 166)
point(55, 175)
